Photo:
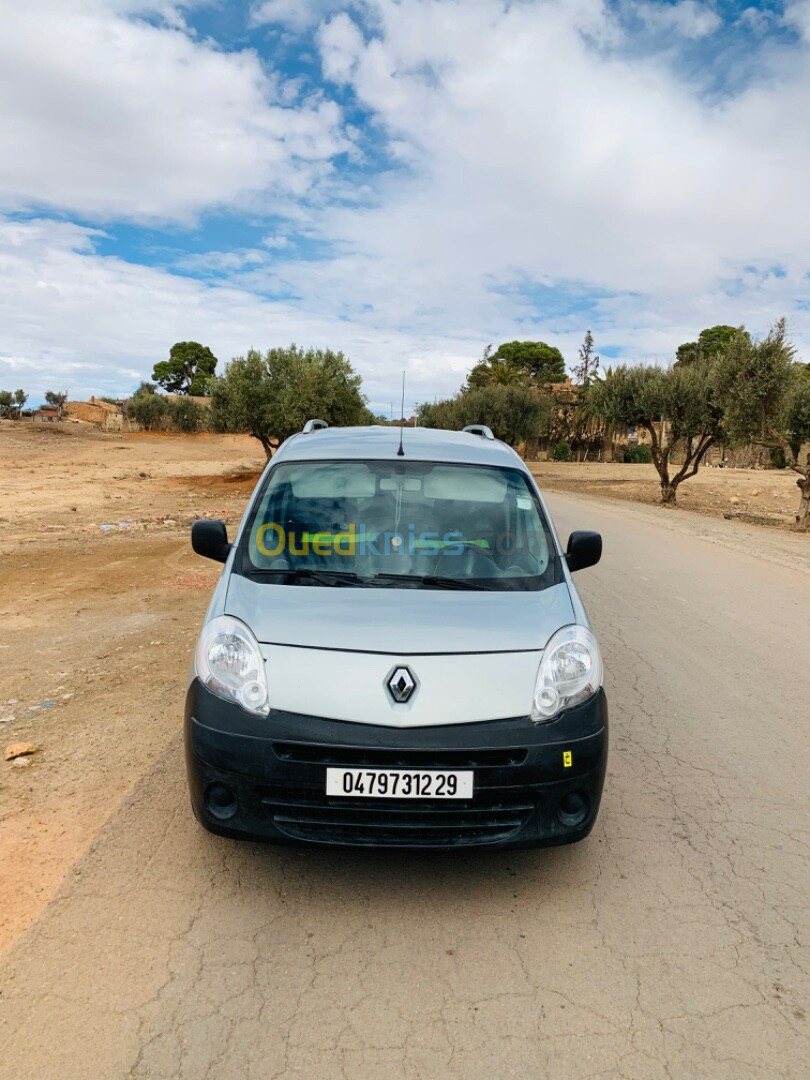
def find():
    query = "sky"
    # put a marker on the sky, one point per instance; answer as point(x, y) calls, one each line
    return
point(405, 180)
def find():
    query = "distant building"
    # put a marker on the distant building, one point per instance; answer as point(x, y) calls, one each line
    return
point(46, 415)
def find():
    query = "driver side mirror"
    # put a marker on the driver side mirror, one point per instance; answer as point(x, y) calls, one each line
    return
point(584, 549)
point(210, 539)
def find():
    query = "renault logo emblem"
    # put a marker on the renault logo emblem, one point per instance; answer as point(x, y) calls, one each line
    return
point(401, 684)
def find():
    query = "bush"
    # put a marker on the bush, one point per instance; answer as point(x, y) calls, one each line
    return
point(561, 451)
point(186, 415)
point(640, 454)
point(148, 410)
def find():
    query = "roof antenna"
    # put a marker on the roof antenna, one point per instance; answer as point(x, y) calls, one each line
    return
point(401, 452)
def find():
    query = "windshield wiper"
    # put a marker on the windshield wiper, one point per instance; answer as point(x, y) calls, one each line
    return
point(323, 577)
point(434, 580)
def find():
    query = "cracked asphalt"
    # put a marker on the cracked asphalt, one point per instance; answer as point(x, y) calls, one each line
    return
point(671, 943)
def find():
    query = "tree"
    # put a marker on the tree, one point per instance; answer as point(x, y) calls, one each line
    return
point(271, 397)
point(188, 370)
point(709, 344)
point(588, 367)
point(6, 404)
point(56, 399)
point(147, 410)
point(514, 412)
point(20, 398)
point(494, 373)
point(761, 388)
point(676, 406)
point(541, 362)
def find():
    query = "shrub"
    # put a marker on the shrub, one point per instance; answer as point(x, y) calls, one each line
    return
point(640, 454)
point(186, 415)
point(561, 451)
point(148, 410)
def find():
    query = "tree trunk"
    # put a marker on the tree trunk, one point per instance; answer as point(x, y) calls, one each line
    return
point(668, 491)
point(267, 444)
point(803, 516)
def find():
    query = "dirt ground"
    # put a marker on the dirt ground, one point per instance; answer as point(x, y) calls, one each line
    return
point(757, 496)
point(101, 598)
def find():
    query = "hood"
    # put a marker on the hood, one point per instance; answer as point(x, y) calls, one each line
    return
point(398, 621)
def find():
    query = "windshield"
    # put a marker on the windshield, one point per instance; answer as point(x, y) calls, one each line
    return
point(399, 525)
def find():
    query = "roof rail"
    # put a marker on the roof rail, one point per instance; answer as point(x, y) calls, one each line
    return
point(313, 425)
point(480, 429)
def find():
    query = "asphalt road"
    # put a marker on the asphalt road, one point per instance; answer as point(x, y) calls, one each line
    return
point(674, 942)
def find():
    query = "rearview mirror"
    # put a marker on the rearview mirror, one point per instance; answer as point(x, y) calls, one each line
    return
point(584, 549)
point(210, 539)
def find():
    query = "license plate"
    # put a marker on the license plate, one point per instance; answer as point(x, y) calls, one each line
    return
point(399, 783)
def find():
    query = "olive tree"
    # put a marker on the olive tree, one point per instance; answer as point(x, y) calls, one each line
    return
point(513, 411)
point(676, 406)
point(56, 399)
point(271, 396)
point(763, 393)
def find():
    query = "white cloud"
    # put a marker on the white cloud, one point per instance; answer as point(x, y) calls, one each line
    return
point(294, 15)
point(687, 18)
point(96, 325)
point(797, 16)
point(536, 171)
point(112, 117)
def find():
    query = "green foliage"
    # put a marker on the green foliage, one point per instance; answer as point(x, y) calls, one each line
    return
point(272, 396)
point(676, 406)
point(541, 362)
point(186, 415)
point(755, 381)
point(640, 454)
point(494, 373)
point(710, 342)
point(56, 399)
point(150, 411)
point(796, 420)
point(188, 370)
point(561, 451)
point(11, 403)
point(514, 412)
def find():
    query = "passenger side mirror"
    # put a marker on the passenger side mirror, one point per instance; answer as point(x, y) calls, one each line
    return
point(584, 549)
point(210, 539)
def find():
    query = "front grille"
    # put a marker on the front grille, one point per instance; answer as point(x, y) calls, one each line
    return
point(369, 756)
point(309, 814)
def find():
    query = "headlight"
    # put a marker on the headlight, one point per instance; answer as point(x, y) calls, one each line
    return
point(229, 662)
point(569, 673)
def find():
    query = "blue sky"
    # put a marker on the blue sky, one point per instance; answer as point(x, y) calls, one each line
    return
point(406, 180)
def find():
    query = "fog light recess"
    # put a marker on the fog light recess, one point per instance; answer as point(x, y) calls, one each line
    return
point(573, 809)
point(220, 802)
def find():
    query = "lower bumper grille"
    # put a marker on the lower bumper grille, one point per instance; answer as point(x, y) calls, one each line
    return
point(312, 815)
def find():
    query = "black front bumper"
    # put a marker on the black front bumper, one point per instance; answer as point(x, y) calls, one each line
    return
point(265, 777)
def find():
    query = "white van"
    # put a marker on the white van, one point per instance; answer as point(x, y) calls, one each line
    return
point(395, 654)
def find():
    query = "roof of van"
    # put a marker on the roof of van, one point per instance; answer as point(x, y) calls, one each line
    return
point(382, 443)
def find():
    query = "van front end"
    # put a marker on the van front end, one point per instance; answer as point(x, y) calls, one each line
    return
point(395, 655)
point(293, 778)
